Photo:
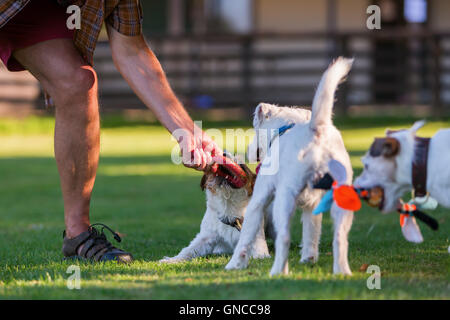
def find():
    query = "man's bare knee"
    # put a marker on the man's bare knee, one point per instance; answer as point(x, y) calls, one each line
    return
point(75, 87)
point(75, 95)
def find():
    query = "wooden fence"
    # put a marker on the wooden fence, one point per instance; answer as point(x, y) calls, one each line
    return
point(239, 71)
point(19, 92)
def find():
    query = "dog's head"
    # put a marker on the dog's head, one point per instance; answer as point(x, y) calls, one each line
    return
point(387, 165)
point(267, 118)
point(218, 184)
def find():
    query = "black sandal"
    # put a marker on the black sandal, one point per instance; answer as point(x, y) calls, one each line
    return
point(95, 246)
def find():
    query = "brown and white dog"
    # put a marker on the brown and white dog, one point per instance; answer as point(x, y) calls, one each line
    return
point(221, 224)
point(401, 162)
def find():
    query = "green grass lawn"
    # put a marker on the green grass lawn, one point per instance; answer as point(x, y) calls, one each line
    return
point(159, 206)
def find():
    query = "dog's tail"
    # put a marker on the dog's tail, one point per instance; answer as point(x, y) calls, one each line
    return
point(324, 98)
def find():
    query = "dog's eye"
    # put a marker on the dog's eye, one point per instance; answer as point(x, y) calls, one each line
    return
point(366, 167)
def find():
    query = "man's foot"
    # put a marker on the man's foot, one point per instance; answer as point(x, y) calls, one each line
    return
point(93, 245)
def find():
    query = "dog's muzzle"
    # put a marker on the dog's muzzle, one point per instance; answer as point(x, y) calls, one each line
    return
point(235, 222)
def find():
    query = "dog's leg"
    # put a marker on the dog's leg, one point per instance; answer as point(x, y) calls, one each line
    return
point(201, 245)
point(252, 224)
point(222, 248)
point(283, 208)
point(259, 248)
point(269, 229)
point(342, 224)
point(312, 226)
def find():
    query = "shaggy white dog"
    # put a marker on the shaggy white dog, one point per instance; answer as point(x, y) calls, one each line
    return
point(220, 227)
point(391, 167)
point(300, 156)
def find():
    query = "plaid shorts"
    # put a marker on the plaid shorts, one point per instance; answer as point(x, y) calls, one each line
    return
point(123, 15)
point(39, 21)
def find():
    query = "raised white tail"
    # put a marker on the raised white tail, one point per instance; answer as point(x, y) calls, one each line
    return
point(324, 98)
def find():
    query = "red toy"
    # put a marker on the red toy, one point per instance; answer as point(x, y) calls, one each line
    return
point(230, 170)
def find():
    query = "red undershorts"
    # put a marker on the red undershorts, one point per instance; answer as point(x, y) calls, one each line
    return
point(39, 21)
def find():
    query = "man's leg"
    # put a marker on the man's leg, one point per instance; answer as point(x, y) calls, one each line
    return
point(73, 86)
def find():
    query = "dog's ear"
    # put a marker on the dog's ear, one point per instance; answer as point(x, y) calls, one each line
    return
point(337, 171)
point(262, 111)
point(389, 131)
point(203, 182)
point(251, 179)
point(413, 130)
point(387, 147)
point(391, 147)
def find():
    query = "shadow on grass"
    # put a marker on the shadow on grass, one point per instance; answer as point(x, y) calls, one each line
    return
point(207, 283)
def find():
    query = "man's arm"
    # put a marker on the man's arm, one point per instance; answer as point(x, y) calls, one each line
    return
point(142, 70)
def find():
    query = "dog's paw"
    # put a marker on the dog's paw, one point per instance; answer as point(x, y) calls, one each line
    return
point(260, 250)
point(344, 270)
point(345, 273)
point(261, 255)
point(233, 265)
point(279, 270)
point(237, 262)
point(309, 260)
point(171, 260)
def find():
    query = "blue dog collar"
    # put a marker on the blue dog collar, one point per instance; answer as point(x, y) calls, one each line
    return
point(282, 130)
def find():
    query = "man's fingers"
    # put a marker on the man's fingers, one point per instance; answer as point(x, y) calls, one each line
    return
point(214, 149)
point(209, 159)
point(204, 162)
point(198, 154)
point(197, 158)
point(210, 146)
point(218, 159)
point(190, 159)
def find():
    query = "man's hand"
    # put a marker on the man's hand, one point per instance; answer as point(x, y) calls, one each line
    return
point(198, 149)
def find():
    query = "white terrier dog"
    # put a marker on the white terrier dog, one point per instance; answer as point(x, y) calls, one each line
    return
point(301, 156)
point(220, 227)
point(402, 162)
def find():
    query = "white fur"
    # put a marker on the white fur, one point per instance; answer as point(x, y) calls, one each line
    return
point(304, 152)
point(395, 175)
point(215, 237)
